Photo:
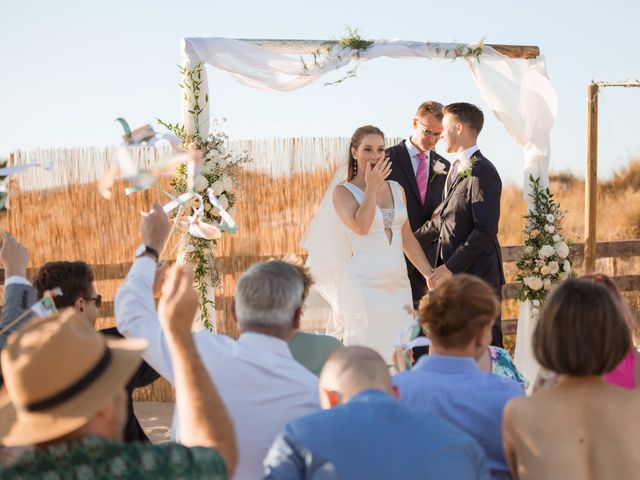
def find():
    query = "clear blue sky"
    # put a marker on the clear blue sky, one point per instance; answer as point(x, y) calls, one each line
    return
point(69, 68)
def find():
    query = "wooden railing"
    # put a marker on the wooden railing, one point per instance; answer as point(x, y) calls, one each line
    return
point(510, 254)
point(620, 249)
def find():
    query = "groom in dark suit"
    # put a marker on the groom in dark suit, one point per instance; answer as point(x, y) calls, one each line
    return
point(422, 173)
point(462, 236)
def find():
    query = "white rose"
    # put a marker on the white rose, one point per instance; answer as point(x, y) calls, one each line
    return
point(534, 283)
point(536, 303)
point(545, 270)
point(562, 249)
point(557, 238)
point(566, 267)
point(200, 183)
point(224, 202)
point(546, 284)
point(439, 168)
point(554, 267)
point(222, 159)
point(550, 228)
point(546, 251)
point(464, 166)
point(535, 233)
point(227, 182)
point(528, 250)
point(550, 218)
point(218, 188)
point(209, 166)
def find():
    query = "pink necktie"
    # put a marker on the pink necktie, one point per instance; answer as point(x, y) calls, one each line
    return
point(421, 176)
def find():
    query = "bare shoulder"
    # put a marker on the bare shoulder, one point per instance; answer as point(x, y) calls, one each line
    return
point(523, 410)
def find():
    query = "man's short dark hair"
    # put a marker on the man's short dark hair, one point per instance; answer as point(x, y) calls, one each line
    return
point(581, 331)
point(468, 114)
point(75, 279)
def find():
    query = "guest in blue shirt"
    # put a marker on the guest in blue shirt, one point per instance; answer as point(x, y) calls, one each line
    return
point(366, 433)
point(458, 316)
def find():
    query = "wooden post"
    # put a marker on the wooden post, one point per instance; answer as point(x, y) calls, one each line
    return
point(591, 181)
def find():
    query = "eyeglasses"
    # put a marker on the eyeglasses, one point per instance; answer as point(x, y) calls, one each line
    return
point(97, 299)
point(428, 133)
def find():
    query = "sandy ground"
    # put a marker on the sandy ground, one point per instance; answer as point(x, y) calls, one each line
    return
point(155, 418)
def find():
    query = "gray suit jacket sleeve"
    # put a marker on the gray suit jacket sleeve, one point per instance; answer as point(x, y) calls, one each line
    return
point(17, 299)
point(486, 188)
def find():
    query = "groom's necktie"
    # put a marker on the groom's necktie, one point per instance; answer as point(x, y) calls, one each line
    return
point(453, 174)
point(421, 176)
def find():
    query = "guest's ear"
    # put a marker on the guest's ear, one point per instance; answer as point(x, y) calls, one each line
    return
point(483, 337)
point(79, 305)
point(233, 310)
point(333, 398)
point(395, 392)
point(296, 318)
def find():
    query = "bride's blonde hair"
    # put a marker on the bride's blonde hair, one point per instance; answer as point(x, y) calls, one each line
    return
point(356, 139)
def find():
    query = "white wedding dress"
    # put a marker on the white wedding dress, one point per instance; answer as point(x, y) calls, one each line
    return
point(378, 274)
point(361, 288)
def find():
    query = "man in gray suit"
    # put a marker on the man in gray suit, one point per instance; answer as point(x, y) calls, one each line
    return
point(462, 235)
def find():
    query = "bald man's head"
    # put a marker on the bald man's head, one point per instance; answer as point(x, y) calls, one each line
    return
point(352, 370)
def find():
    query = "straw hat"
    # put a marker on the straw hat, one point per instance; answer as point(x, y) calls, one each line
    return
point(58, 373)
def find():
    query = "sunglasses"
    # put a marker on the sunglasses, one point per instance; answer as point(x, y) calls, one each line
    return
point(97, 299)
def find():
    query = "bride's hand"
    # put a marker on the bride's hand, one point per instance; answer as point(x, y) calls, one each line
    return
point(374, 176)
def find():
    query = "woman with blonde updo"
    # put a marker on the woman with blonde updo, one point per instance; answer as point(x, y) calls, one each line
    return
point(458, 316)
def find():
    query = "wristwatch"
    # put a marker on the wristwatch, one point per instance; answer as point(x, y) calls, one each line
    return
point(142, 249)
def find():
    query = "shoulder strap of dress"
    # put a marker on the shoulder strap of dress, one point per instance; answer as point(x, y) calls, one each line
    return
point(354, 190)
point(395, 191)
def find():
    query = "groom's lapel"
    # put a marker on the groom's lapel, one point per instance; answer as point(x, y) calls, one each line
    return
point(458, 179)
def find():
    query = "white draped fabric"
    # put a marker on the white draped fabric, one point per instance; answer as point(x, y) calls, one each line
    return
point(518, 92)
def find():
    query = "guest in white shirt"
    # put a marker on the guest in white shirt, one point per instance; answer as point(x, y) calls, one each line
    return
point(262, 385)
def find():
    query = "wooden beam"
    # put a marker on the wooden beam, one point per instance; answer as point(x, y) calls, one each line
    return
point(591, 180)
point(510, 253)
point(310, 46)
point(617, 249)
point(625, 84)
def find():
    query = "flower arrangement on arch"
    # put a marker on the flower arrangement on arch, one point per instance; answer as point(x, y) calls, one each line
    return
point(217, 176)
point(546, 257)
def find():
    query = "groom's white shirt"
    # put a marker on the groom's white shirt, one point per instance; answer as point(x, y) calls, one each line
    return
point(455, 166)
point(413, 154)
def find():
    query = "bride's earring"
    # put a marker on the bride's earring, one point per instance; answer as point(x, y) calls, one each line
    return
point(355, 167)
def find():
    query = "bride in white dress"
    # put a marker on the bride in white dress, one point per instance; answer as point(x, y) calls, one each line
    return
point(359, 265)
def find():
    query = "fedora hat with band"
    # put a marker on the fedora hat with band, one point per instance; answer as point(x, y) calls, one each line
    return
point(58, 373)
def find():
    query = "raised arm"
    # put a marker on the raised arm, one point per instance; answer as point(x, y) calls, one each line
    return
point(204, 419)
point(19, 295)
point(135, 309)
point(359, 217)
